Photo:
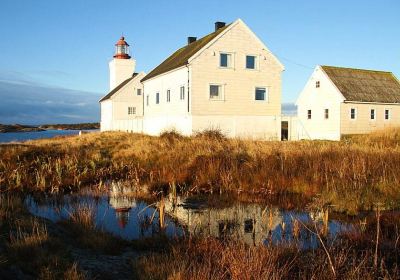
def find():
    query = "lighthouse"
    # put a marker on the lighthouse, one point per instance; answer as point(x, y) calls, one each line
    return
point(122, 66)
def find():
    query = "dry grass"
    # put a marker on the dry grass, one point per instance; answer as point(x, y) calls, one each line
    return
point(28, 245)
point(82, 227)
point(352, 174)
point(214, 259)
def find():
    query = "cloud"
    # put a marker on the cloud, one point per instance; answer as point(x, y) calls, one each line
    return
point(26, 102)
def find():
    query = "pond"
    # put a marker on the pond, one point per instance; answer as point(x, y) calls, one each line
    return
point(119, 212)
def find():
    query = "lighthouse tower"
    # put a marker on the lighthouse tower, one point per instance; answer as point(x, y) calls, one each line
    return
point(122, 66)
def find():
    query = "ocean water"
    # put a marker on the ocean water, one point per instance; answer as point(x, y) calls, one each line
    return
point(25, 136)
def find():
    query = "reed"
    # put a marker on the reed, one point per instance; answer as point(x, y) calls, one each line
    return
point(211, 258)
point(352, 174)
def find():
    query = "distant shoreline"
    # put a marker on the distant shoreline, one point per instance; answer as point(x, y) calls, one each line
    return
point(31, 128)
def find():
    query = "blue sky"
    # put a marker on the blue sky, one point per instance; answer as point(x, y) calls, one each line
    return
point(64, 46)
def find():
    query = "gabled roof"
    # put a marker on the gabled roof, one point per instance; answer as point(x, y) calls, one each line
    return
point(180, 57)
point(117, 88)
point(365, 85)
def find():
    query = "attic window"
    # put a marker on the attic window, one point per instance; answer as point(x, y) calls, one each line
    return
point(225, 60)
point(250, 62)
point(309, 114)
point(139, 91)
point(317, 84)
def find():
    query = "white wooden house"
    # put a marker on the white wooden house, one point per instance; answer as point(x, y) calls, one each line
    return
point(339, 101)
point(227, 80)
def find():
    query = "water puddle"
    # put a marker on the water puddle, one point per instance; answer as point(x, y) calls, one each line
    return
point(120, 213)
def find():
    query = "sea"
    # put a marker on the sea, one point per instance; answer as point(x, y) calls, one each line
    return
point(32, 135)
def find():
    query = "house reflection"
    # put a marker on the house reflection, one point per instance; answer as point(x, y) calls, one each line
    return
point(122, 202)
point(251, 223)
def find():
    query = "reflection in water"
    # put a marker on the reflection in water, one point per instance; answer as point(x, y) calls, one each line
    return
point(118, 212)
point(121, 202)
point(252, 223)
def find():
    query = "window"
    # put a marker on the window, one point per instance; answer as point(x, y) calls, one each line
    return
point(326, 114)
point(168, 95)
point(309, 114)
point(353, 113)
point(131, 110)
point(387, 114)
point(139, 91)
point(372, 114)
point(250, 62)
point(225, 60)
point(215, 92)
point(182, 93)
point(317, 84)
point(261, 94)
point(157, 98)
point(147, 100)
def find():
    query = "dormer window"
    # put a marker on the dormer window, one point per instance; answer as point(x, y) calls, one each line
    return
point(317, 84)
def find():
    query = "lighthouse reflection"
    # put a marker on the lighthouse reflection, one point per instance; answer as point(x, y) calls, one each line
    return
point(122, 202)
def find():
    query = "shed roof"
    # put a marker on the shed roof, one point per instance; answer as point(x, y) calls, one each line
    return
point(117, 88)
point(365, 85)
point(182, 55)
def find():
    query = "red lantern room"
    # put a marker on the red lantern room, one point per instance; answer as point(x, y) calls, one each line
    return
point(122, 49)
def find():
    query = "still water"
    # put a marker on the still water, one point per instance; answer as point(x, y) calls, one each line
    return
point(120, 213)
point(25, 136)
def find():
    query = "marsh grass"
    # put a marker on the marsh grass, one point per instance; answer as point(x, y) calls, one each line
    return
point(363, 169)
point(28, 245)
point(211, 258)
point(83, 229)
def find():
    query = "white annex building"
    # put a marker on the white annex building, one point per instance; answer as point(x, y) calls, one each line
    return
point(339, 101)
point(227, 80)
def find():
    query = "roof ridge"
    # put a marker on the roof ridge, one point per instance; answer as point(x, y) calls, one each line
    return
point(181, 56)
point(356, 69)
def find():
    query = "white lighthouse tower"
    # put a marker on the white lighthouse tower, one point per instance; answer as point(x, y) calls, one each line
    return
point(122, 66)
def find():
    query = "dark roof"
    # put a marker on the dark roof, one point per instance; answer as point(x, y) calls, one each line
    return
point(181, 56)
point(117, 88)
point(365, 85)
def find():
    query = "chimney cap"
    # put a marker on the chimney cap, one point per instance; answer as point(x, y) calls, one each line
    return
point(219, 24)
point(191, 40)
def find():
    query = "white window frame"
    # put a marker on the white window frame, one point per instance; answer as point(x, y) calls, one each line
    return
point(182, 94)
point(266, 100)
point(355, 114)
point(138, 90)
point(326, 114)
point(222, 93)
point(168, 95)
point(389, 114)
point(256, 62)
point(147, 100)
point(317, 84)
point(232, 66)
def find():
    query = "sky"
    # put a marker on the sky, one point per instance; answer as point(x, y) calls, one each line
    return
point(54, 54)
